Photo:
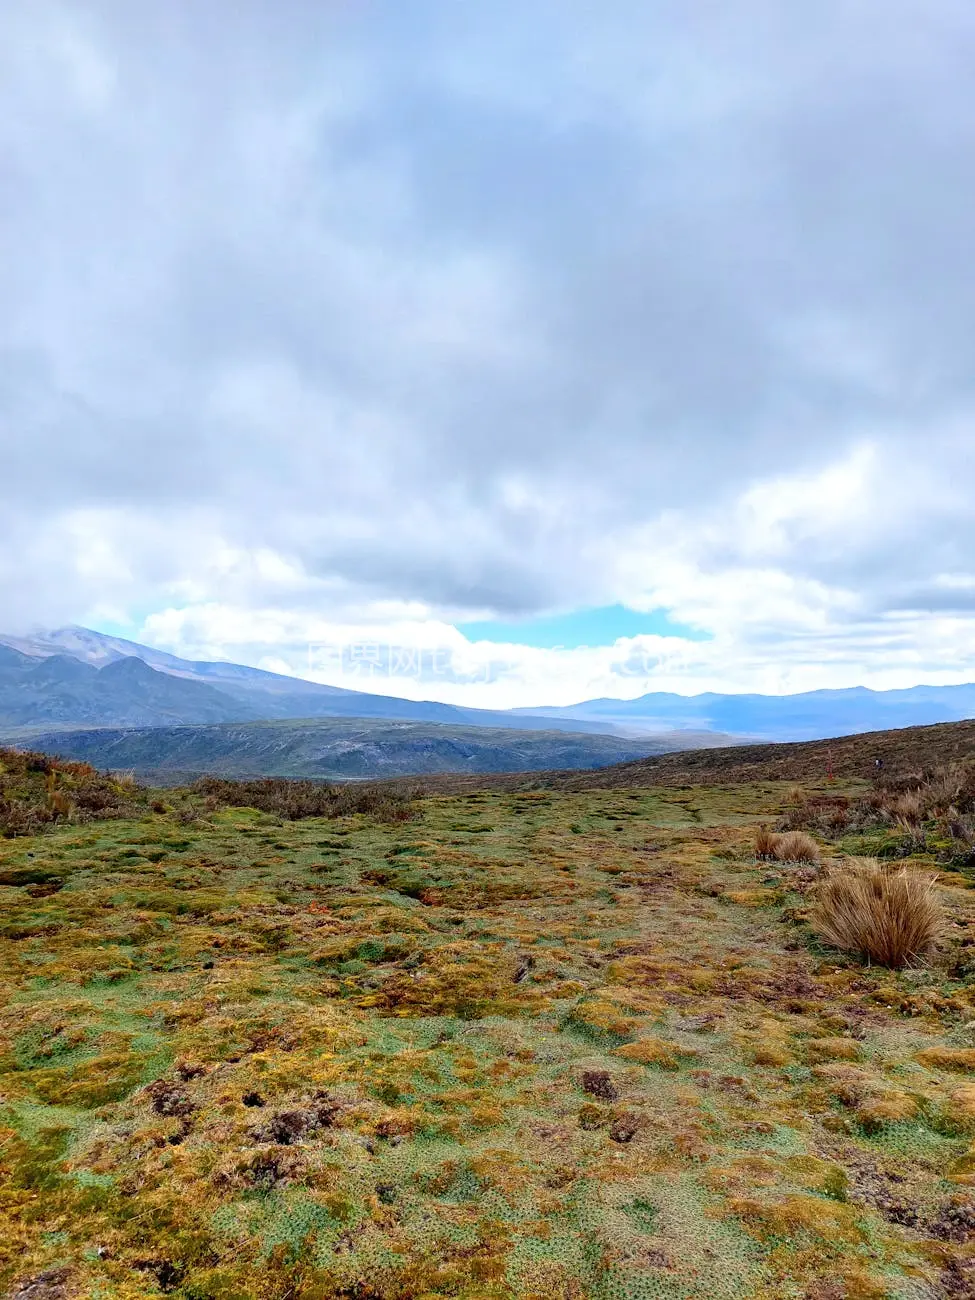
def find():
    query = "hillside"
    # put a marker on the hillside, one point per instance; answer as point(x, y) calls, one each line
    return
point(127, 692)
point(336, 748)
point(854, 757)
point(69, 695)
point(547, 1045)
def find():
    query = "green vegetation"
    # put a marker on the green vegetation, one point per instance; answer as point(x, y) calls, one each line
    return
point(524, 1043)
point(340, 749)
point(37, 790)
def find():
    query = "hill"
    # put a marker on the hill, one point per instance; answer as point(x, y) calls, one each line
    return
point(335, 748)
point(126, 691)
point(236, 693)
point(901, 750)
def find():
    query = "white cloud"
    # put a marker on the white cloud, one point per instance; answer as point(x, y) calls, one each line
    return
point(358, 326)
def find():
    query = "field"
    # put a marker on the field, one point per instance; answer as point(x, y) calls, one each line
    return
point(530, 1043)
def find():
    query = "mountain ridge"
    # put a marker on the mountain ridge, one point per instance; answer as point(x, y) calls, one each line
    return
point(336, 749)
point(33, 698)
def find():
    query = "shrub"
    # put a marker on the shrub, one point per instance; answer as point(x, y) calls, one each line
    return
point(893, 918)
point(294, 800)
point(291, 800)
point(37, 790)
point(938, 800)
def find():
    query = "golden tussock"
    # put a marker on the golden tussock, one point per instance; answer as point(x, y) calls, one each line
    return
point(791, 846)
point(894, 918)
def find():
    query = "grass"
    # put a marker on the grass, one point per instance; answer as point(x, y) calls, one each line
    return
point(892, 917)
point(790, 846)
point(528, 1043)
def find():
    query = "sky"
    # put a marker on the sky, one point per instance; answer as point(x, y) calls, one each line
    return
point(505, 354)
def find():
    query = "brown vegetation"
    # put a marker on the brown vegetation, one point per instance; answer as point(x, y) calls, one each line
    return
point(792, 846)
point(294, 800)
point(904, 750)
point(893, 918)
point(924, 807)
point(37, 790)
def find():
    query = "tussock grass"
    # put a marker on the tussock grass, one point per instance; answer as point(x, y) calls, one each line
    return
point(765, 842)
point(789, 846)
point(893, 918)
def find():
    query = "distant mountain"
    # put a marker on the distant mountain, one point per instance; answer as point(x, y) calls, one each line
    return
point(812, 715)
point(59, 689)
point(76, 677)
point(82, 685)
point(337, 748)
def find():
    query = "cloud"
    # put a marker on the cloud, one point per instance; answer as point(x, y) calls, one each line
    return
point(516, 311)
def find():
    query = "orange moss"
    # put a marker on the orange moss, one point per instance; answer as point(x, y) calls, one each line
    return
point(756, 897)
point(829, 1223)
point(655, 1051)
point(947, 1058)
point(958, 1112)
point(832, 1049)
point(888, 1107)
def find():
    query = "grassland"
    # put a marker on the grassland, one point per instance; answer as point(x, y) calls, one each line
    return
point(543, 1043)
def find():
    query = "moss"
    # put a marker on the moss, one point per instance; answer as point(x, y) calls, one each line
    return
point(654, 1051)
point(957, 1114)
point(439, 1042)
point(818, 1050)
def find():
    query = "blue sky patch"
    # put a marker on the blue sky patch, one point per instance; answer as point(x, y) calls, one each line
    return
point(584, 627)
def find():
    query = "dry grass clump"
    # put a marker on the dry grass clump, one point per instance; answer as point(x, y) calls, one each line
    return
point(789, 846)
point(894, 918)
point(765, 842)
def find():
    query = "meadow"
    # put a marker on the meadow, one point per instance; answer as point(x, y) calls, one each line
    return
point(502, 1043)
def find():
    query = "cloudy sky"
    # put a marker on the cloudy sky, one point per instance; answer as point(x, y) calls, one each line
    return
point(501, 353)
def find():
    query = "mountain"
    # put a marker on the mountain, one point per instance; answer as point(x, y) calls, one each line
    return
point(78, 682)
point(127, 692)
point(74, 677)
point(811, 715)
point(337, 748)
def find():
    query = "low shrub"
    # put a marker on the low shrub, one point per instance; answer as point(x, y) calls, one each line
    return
point(938, 803)
point(38, 790)
point(893, 918)
point(294, 800)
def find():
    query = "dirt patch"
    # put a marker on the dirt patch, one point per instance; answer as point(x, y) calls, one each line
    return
point(49, 1285)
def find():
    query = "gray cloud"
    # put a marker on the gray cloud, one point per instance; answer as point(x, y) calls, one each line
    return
point(445, 306)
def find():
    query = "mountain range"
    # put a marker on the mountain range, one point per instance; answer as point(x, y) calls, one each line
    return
point(74, 677)
point(812, 715)
point(55, 681)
